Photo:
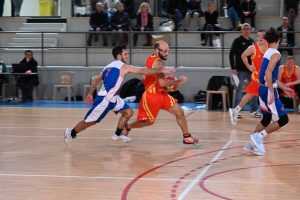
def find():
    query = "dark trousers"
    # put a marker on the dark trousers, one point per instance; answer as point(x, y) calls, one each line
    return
point(27, 87)
point(1, 7)
point(290, 51)
point(252, 17)
point(135, 37)
point(2, 81)
point(104, 36)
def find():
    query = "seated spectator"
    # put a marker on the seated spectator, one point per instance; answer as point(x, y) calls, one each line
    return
point(98, 22)
point(248, 10)
point(27, 83)
point(291, 10)
point(176, 10)
point(193, 10)
point(234, 12)
point(110, 6)
point(3, 78)
point(289, 74)
point(129, 7)
point(120, 22)
point(144, 22)
point(211, 24)
point(287, 39)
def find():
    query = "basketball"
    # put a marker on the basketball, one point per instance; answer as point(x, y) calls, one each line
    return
point(173, 87)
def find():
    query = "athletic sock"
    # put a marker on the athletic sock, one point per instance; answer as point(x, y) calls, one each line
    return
point(74, 133)
point(118, 132)
point(238, 108)
point(263, 133)
point(186, 135)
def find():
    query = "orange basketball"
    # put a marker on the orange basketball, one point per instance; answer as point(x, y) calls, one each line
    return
point(173, 87)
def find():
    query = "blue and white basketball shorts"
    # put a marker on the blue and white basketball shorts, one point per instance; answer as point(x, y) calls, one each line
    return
point(101, 107)
point(275, 108)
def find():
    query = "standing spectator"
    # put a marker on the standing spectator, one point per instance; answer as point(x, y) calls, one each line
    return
point(17, 7)
point(234, 12)
point(289, 74)
point(110, 6)
point(27, 83)
point(144, 22)
point(291, 10)
point(193, 10)
point(3, 78)
point(129, 7)
point(286, 39)
point(176, 10)
point(1, 7)
point(249, 10)
point(239, 45)
point(120, 22)
point(98, 22)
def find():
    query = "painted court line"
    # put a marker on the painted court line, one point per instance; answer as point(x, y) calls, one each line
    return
point(193, 183)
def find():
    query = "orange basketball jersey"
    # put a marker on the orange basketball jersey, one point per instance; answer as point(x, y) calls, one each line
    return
point(151, 81)
point(257, 60)
point(289, 78)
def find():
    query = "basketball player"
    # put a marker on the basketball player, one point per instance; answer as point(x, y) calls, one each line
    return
point(289, 74)
point(256, 52)
point(155, 97)
point(268, 95)
point(107, 98)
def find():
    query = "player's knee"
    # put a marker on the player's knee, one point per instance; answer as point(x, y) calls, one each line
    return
point(128, 113)
point(283, 120)
point(266, 120)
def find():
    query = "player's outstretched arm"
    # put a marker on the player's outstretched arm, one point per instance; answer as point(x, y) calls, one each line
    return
point(144, 71)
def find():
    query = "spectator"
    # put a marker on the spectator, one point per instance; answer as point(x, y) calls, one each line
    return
point(239, 45)
point(110, 6)
point(248, 10)
point(287, 39)
point(234, 12)
point(289, 74)
point(193, 10)
point(129, 7)
point(27, 83)
point(144, 22)
point(120, 22)
point(211, 24)
point(1, 7)
point(98, 22)
point(291, 10)
point(176, 10)
point(3, 78)
point(17, 6)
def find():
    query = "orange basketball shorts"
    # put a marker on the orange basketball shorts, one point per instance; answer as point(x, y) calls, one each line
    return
point(252, 88)
point(150, 105)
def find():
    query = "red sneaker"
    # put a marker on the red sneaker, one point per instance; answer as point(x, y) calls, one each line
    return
point(191, 139)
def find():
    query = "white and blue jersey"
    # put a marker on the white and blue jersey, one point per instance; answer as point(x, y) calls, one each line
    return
point(276, 107)
point(107, 98)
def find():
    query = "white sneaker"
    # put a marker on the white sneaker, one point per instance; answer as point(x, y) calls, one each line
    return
point(68, 137)
point(233, 115)
point(122, 137)
point(256, 114)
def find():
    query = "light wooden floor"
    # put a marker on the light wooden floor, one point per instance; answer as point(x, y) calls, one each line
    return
point(36, 164)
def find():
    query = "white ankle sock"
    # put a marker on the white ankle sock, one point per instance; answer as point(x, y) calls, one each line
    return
point(263, 133)
point(238, 108)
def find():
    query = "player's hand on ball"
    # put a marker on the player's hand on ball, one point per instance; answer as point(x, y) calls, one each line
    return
point(89, 100)
point(183, 79)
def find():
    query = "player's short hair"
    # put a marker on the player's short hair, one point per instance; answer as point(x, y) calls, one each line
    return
point(118, 49)
point(261, 30)
point(272, 35)
point(290, 58)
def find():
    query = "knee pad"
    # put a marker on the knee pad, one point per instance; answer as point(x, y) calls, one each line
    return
point(283, 120)
point(266, 119)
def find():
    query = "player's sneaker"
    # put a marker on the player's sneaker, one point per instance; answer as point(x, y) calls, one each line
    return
point(122, 137)
point(233, 115)
point(68, 137)
point(191, 139)
point(250, 147)
point(126, 130)
point(256, 114)
point(258, 141)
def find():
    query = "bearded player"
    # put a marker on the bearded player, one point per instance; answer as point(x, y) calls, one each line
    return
point(155, 97)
